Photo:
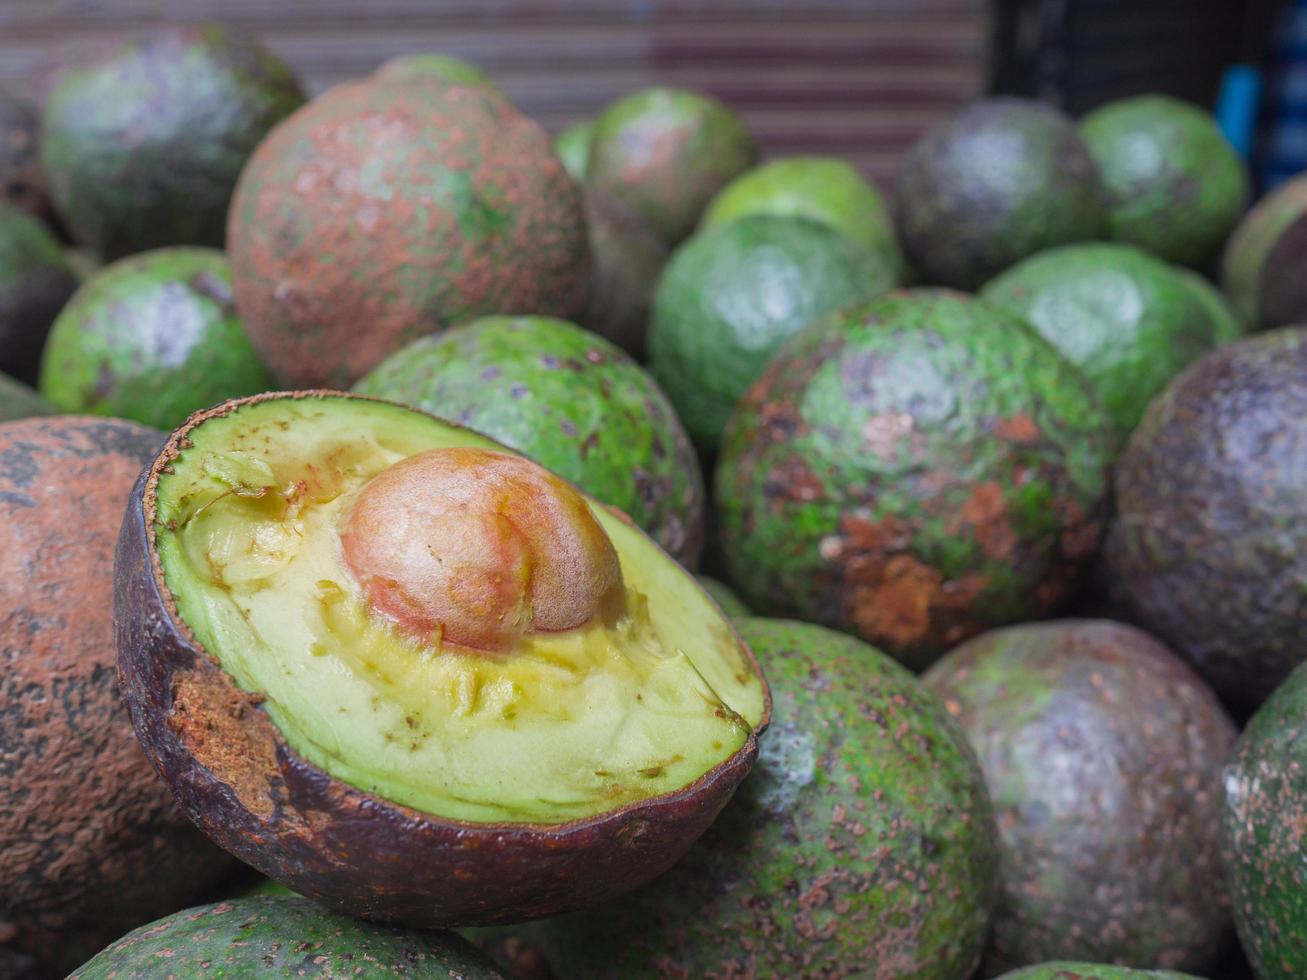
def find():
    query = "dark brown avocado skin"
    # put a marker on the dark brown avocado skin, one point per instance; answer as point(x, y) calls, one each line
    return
point(233, 774)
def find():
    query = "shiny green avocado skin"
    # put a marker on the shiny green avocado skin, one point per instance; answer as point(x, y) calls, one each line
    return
point(1068, 970)
point(571, 401)
point(273, 936)
point(143, 149)
point(1265, 832)
point(18, 401)
point(35, 282)
point(731, 295)
point(1175, 186)
point(861, 839)
point(1127, 319)
point(1260, 267)
point(152, 338)
point(1002, 179)
point(914, 469)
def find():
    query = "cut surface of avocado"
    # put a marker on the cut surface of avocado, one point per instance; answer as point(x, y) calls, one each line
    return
point(564, 725)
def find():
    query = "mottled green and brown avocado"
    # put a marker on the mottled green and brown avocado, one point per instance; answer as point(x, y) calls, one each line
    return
point(1068, 970)
point(282, 937)
point(91, 844)
point(142, 149)
point(733, 294)
point(915, 469)
point(380, 213)
point(1259, 270)
point(18, 401)
point(22, 181)
point(628, 258)
point(861, 845)
point(1102, 751)
point(1265, 832)
point(1128, 320)
point(572, 402)
point(1174, 184)
point(430, 64)
point(152, 338)
point(1000, 180)
point(35, 283)
point(1209, 548)
point(665, 152)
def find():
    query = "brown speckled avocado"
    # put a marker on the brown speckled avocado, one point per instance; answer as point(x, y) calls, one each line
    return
point(91, 843)
point(1102, 751)
point(382, 212)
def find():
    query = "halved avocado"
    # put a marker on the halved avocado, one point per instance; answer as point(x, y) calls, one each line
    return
point(415, 676)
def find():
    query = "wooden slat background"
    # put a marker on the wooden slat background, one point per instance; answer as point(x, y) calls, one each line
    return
point(860, 78)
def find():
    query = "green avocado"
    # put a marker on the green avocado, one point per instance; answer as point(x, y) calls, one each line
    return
point(1067, 970)
point(152, 338)
point(143, 149)
point(1102, 751)
point(731, 295)
point(573, 147)
point(571, 401)
point(1175, 186)
point(18, 401)
point(725, 597)
point(1000, 180)
point(429, 64)
point(1124, 317)
point(1209, 548)
point(1259, 267)
point(914, 470)
point(1227, 323)
point(825, 189)
point(35, 283)
point(862, 840)
point(281, 937)
point(665, 152)
point(1264, 834)
point(628, 258)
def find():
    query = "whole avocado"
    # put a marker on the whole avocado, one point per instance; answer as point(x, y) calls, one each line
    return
point(35, 283)
point(1067, 970)
point(271, 936)
point(1175, 186)
point(1126, 319)
point(1102, 751)
point(1264, 833)
point(915, 469)
point(1207, 551)
point(665, 152)
point(382, 212)
point(862, 840)
point(571, 401)
point(1261, 259)
point(628, 258)
point(143, 148)
point(152, 338)
point(1000, 180)
point(731, 295)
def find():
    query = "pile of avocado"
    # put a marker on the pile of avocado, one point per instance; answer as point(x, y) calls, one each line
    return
point(432, 547)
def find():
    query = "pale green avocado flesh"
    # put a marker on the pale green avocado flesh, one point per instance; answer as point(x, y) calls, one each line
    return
point(569, 725)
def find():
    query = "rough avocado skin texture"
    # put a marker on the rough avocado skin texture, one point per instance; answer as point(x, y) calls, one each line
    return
point(1259, 267)
point(282, 937)
point(571, 401)
point(1124, 317)
point(861, 845)
point(1068, 970)
point(152, 338)
point(380, 213)
point(1209, 549)
point(824, 189)
point(724, 596)
point(18, 401)
point(665, 152)
point(444, 67)
point(1265, 832)
point(915, 469)
point(573, 147)
point(35, 282)
point(1102, 751)
point(628, 258)
point(731, 295)
point(1000, 180)
point(1175, 186)
point(143, 148)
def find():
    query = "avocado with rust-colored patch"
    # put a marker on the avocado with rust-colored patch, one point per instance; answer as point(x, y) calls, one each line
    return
point(914, 469)
point(152, 338)
point(1000, 180)
point(1175, 186)
point(35, 283)
point(282, 937)
point(862, 841)
point(142, 149)
point(1102, 751)
point(1260, 267)
point(572, 402)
